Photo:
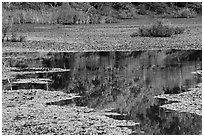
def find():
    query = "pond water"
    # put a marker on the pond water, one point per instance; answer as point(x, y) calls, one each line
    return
point(125, 82)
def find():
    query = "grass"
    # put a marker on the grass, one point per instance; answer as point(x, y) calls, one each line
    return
point(158, 29)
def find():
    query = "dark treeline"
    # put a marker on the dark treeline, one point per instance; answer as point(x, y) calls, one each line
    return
point(157, 7)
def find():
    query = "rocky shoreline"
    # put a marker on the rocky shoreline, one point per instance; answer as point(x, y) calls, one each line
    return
point(25, 113)
point(46, 46)
point(190, 101)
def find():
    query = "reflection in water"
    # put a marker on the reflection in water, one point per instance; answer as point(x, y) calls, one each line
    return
point(119, 75)
point(128, 81)
point(157, 120)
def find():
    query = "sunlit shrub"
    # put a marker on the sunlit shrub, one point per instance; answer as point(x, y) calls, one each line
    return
point(185, 13)
point(158, 29)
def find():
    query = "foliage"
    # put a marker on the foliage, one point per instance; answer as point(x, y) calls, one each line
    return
point(22, 38)
point(159, 29)
point(156, 7)
point(166, 7)
point(8, 27)
point(95, 12)
point(8, 19)
point(185, 13)
point(14, 37)
point(67, 15)
point(6, 23)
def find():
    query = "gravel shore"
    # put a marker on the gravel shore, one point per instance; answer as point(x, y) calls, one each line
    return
point(25, 113)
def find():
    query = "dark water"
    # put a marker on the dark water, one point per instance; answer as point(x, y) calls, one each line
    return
point(127, 82)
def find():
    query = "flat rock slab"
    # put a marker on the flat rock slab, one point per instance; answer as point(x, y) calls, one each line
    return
point(32, 80)
point(53, 70)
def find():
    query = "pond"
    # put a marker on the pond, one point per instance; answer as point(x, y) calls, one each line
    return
point(125, 82)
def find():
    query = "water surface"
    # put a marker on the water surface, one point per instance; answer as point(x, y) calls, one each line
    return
point(126, 82)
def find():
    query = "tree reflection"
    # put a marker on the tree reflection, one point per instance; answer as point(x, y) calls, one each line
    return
point(128, 83)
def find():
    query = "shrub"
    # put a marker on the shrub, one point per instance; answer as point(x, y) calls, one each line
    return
point(185, 13)
point(8, 19)
point(7, 23)
point(110, 20)
point(158, 30)
point(14, 37)
point(5, 29)
point(142, 10)
point(178, 30)
point(67, 15)
point(22, 38)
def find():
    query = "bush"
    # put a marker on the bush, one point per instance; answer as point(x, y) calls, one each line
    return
point(178, 30)
point(67, 15)
point(185, 13)
point(5, 29)
point(158, 30)
point(142, 10)
point(14, 37)
point(8, 19)
point(22, 38)
point(7, 23)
